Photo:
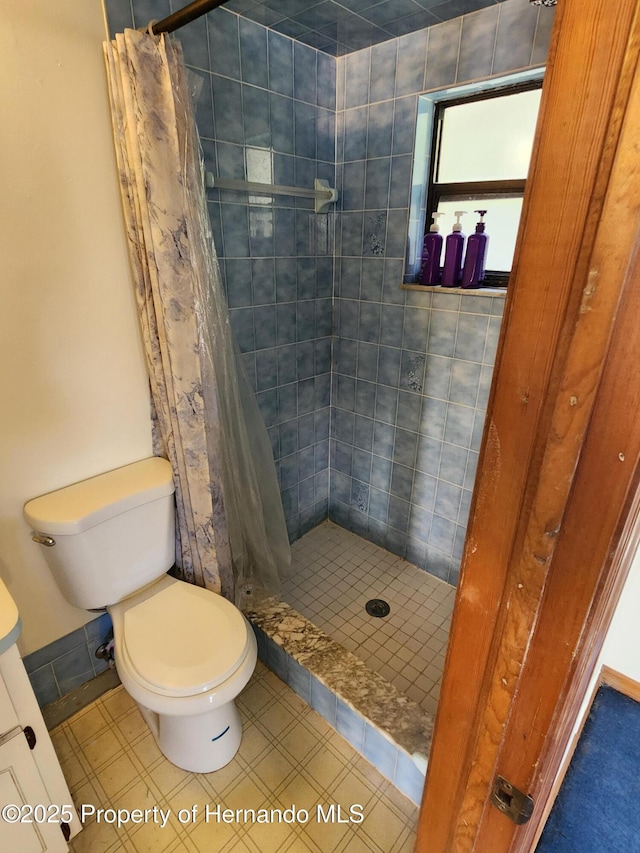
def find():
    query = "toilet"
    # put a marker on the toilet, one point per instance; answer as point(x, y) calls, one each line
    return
point(183, 653)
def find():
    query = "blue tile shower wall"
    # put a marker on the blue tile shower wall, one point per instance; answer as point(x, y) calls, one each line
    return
point(412, 370)
point(410, 404)
point(266, 112)
point(409, 372)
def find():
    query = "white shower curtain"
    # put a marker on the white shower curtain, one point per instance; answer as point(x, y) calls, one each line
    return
point(231, 533)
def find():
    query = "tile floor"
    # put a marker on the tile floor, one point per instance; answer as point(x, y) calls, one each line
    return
point(289, 755)
point(334, 573)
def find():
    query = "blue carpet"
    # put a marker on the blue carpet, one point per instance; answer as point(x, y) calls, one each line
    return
point(598, 808)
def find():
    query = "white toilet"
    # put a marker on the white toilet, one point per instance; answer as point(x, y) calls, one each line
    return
point(182, 652)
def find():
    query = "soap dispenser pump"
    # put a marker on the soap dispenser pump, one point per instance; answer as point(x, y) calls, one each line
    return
point(473, 270)
point(454, 248)
point(431, 252)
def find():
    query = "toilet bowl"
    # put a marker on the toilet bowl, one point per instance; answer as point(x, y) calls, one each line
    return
point(182, 652)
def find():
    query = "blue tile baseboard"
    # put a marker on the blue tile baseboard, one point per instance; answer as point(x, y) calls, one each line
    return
point(382, 724)
point(58, 668)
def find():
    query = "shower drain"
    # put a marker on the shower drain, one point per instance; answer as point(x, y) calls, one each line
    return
point(377, 607)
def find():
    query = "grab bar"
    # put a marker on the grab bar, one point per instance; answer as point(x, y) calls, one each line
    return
point(322, 192)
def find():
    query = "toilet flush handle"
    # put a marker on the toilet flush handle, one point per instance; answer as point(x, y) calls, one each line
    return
point(41, 539)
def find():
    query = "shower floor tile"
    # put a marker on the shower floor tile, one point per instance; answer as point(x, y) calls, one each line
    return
point(334, 573)
point(111, 761)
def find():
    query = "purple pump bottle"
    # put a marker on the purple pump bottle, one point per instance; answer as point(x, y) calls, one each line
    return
point(473, 270)
point(454, 248)
point(431, 252)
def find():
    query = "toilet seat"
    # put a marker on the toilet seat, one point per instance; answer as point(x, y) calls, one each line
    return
point(184, 640)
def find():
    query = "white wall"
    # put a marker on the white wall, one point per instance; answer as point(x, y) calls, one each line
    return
point(73, 388)
point(621, 649)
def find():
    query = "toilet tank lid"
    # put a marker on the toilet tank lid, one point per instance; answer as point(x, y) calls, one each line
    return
point(76, 508)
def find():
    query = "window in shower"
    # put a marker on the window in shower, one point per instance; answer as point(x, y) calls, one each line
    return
point(472, 152)
point(480, 158)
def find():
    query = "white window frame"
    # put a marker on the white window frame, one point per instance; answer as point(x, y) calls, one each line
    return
point(422, 154)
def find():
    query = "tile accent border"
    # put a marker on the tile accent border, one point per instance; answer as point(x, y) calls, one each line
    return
point(57, 712)
point(58, 668)
point(382, 724)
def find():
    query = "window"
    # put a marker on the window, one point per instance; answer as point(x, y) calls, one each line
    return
point(481, 148)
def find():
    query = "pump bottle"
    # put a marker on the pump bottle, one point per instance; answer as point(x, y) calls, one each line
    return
point(454, 247)
point(431, 252)
point(473, 270)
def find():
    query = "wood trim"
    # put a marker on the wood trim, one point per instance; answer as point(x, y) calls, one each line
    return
point(565, 642)
point(622, 683)
point(539, 487)
point(534, 831)
point(561, 742)
point(475, 188)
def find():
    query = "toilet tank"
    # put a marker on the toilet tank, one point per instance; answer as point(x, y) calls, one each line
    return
point(107, 537)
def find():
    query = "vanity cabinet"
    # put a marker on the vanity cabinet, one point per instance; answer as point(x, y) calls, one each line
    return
point(30, 775)
point(21, 784)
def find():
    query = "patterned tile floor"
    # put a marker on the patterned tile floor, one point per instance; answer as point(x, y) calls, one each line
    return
point(289, 755)
point(334, 573)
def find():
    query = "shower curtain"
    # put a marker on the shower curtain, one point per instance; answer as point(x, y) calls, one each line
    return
point(230, 533)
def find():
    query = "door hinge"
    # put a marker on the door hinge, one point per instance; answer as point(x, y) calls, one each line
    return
point(517, 806)
point(66, 830)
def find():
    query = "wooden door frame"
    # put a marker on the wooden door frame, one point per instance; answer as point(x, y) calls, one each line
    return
point(553, 517)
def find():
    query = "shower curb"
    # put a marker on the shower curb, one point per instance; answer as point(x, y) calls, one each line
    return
point(380, 722)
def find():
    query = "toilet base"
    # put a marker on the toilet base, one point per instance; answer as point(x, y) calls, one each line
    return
point(200, 743)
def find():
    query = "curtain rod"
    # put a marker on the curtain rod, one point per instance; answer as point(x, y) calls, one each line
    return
point(185, 16)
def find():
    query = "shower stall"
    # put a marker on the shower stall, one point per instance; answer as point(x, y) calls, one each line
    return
point(373, 393)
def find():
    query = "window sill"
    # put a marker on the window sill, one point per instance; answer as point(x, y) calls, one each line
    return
point(465, 291)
